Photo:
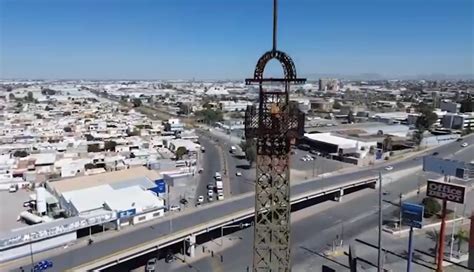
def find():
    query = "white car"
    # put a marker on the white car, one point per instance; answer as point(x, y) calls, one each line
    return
point(389, 168)
point(200, 199)
point(464, 144)
point(304, 159)
point(220, 196)
point(175, 208)
point(238, 174)
point(210, 198)
point(210, 193)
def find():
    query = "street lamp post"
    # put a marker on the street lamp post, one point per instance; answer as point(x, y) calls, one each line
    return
point(314, 166)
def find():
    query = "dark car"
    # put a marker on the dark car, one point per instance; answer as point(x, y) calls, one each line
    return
point(435, 153)
point(183, 201)
point(458, 139)
point(151, 265)
point(169, 257)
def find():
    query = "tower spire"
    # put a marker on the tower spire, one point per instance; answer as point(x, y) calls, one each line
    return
point(275, 13)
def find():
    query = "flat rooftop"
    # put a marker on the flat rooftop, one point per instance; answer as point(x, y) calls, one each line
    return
point(83, 182)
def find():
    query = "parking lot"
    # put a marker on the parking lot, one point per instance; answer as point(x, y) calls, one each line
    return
point(320, 164)
point(11, 206)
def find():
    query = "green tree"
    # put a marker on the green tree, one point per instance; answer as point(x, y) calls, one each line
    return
point(210, 116)
point(110, 145)
point(387, 143)
point(432, 207)
point(433, 235)
point(249, 147)
point(180, 152)
point(29, 97)
point(93, 148)
point(20, 154)
point(137, 102)
point(89, 137)
point(350, 118)
point(425, 121)
point(467, 105)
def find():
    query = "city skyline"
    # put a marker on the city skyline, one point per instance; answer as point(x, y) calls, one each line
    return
point(216, 40)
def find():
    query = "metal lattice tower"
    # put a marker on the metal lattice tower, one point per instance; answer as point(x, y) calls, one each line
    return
point(275, 123)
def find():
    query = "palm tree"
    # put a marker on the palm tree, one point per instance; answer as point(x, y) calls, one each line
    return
point(433, 235)
point(461, 237)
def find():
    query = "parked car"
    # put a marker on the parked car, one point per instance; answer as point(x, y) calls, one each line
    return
point(238, 174)
point(150, 265)
point(210, 193)
point(389, 168)
point(464, 144)
point(435, 153)
point(210, 186)
point(459, 140)
point(183, 201)
point(210, 198)
point(200, 199)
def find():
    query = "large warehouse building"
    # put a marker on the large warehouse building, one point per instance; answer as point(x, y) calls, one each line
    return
point(131, 194)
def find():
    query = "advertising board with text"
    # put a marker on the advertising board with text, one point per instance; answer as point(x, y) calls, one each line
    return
point(446, 191)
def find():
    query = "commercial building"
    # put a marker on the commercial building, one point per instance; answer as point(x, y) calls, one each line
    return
point(131, 195)
point(458, 121)
point(449, 106)
point(229, 106)
point(174, 125)
point(345, 149)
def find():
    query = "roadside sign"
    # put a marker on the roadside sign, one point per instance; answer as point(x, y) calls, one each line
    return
point(446, 191)
point(412, 214)
point(126, 213)
point(160, 186)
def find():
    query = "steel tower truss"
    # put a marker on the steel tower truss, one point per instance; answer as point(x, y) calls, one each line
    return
point(275, 123)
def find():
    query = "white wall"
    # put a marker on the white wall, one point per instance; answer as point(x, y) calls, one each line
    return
point(24, 250)
point(147, 216)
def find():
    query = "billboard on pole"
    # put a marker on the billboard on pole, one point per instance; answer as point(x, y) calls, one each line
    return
point(412, 214)
point(446, 191)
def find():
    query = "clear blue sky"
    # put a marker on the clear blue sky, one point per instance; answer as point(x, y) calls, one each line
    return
point(218, 39)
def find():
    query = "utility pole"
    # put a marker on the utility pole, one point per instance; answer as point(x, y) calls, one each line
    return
point(400, 211)
point(379, 255)
point(442, 230)
point(275, 123)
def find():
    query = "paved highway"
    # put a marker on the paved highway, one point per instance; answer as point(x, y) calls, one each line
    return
point(316, 228)
point(211, 164)
point(139, 234)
